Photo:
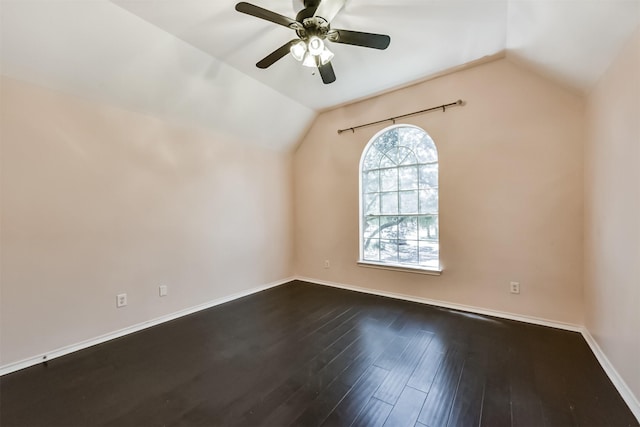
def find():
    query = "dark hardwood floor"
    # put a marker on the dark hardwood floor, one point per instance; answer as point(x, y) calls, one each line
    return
point(303, 354)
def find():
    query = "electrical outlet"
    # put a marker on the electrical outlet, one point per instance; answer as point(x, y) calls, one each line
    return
point(515, 287)
point(327, 264)
point(121, 300)
point(164, 290)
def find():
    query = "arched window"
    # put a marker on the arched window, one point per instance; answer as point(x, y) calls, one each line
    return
point(399, 200)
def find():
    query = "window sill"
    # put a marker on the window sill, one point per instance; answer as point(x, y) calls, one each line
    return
point(401, 267)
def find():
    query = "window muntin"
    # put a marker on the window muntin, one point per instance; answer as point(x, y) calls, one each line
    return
point(399, 199)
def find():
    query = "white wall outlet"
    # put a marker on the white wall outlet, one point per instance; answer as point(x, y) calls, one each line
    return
point(514, 287)
point(327, 263)
point(164, 290)
point(121, 300)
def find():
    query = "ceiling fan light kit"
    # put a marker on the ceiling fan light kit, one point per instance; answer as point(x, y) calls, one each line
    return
point(313, 28)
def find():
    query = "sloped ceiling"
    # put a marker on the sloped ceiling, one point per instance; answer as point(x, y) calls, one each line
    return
point(194, 60)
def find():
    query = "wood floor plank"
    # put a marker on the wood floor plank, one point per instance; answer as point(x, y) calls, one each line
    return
point(399, 374)
point(467, 404)
point(408, 407)
point(437, 407)
point(374, 414)
point(425, 372)
point(316, 352)
point(322, 406)
point(375, 346)
point(346, 368)
point(307, 376)
point(354, 401)
point(496, 400)
point(404, 332)
point(551, 384)
point(526, 405)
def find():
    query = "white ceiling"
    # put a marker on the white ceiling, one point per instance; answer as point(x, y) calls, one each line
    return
point(573, 41)
point(194, 60)
point(97, 50)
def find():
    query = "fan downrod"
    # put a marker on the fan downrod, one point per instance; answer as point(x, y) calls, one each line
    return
point(310, 7)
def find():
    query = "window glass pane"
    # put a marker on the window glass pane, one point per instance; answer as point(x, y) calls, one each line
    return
point(372, 225)
point(429, 201)
point(388, 251)
point(426, 151)
point(389, 159)
point(371, 204)
point(429, 176)
point(371, 182)
point(389, 180)
point(408, 228)
point(387, 140)
point(428, 254)
point(410, 159)
point(389, 227)
point(428, 227)
point(408, 178)
point(371, 249)
point(371, 159)
point(409, 202)
point(408, 251)
point(389, 203)
point(410, 136)
point(406, 156)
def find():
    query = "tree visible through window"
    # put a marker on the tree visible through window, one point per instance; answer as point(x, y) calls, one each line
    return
point(399, 199)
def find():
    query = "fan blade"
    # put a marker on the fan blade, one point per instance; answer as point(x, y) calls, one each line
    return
point(328, 9)
point(265, 14)
point(375, 41)
point(276, 55)
point(327, 74)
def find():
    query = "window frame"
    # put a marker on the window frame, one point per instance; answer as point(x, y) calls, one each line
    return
point(412, 268)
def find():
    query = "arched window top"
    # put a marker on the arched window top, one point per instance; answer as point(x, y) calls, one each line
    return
point(399, 145)
point(399, 199)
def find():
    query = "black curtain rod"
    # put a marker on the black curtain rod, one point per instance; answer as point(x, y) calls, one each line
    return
point(442, 107)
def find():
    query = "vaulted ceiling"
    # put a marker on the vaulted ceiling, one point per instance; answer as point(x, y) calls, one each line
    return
point(193, 61)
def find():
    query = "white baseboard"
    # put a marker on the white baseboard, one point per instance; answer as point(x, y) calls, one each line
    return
point(31, 361)
point(452, 306)
point(624, 390)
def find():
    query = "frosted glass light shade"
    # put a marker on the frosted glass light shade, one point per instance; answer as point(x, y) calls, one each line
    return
point(326, 55)
point(298, 50)
point(309, 60)
point(315, 45)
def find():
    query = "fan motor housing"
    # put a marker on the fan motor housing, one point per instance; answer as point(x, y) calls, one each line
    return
point(313, 26)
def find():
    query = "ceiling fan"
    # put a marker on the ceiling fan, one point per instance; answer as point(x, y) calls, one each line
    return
point(312, 26)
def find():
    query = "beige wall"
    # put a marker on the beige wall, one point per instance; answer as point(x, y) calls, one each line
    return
point(97, 201)
point(612, 225)
point(511, 193)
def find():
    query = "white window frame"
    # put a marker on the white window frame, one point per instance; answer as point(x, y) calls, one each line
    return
point(412, 268)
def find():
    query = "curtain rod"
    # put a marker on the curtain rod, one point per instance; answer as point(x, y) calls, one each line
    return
point(442, 107)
